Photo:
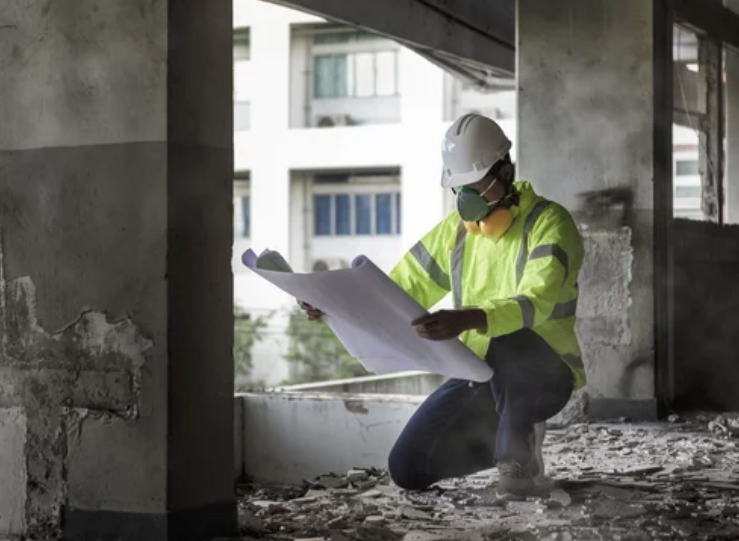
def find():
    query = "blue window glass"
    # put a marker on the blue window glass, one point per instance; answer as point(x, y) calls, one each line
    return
point(343, 215)
point(322, 214)
point(398, 214)
point(384, 214)
point(246, 214)
point(363, 205)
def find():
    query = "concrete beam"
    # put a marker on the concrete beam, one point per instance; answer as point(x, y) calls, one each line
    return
point(482, 32)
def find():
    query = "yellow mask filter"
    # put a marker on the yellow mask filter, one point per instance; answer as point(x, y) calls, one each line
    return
point(493, 226)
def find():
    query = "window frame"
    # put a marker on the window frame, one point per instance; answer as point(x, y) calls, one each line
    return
point(332, 190)
point(351, 49)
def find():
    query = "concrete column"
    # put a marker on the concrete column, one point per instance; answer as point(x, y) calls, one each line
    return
point(116, 378)
point(270, 176)
point(731, 182)
point(585, 126)
point(422, 114)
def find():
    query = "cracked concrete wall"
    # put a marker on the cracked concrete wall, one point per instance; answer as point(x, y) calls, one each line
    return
point(585, 140)
point(115, 211)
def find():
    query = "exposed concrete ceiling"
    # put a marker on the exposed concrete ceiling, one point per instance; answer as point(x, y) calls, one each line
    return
point(475, 39)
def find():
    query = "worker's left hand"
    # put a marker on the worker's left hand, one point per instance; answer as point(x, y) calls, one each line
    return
point(448, 324)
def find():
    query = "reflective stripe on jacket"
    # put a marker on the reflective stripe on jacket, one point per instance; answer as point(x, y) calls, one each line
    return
point(525, 279)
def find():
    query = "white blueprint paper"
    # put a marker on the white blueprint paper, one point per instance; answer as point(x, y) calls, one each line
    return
point(372, 317)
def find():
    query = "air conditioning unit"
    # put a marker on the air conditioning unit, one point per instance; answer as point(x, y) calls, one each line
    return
point(332, 121)
point(328, 263)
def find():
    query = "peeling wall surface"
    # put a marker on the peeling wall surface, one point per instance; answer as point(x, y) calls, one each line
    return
point(288, 438)
point(706, 292)
point(585, 137)
point(115, 285)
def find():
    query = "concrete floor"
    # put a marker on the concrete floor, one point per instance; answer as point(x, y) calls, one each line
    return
point(676, 480)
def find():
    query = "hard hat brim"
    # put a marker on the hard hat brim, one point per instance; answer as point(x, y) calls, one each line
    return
point(463, 179)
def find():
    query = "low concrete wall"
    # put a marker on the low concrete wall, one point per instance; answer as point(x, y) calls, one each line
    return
point(288, 437)
point(409, 382)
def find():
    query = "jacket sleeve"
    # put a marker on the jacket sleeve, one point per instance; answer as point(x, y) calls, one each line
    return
point(423, 272)
point(555, 255)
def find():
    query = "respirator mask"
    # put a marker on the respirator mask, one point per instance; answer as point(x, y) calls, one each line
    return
point(480, 216)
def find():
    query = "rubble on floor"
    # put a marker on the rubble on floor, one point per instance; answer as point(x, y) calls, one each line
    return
point(676, 480)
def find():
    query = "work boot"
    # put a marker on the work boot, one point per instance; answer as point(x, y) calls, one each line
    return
point(515, 480)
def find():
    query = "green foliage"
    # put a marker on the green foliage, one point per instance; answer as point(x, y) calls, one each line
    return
point(316, 351)
point(247, 332)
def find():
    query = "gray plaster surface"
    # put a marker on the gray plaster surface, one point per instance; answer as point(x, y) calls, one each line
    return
point(88, 72)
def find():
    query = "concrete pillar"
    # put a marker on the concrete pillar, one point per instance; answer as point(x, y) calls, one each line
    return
point(731, 182)
point(585, 126)
point(270, 176)
point(116, 378)
point(422, 115)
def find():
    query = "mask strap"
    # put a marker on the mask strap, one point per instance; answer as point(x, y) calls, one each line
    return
point(488, 188)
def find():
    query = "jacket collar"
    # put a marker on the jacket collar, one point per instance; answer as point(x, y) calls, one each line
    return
point(526, 198)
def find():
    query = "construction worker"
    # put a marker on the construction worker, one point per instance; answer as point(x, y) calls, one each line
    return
point(511, 260)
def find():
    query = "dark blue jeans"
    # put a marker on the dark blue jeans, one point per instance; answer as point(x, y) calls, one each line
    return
point(465, 427)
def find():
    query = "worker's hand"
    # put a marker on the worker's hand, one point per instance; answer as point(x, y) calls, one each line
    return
point(313, 313)
point(448, 324)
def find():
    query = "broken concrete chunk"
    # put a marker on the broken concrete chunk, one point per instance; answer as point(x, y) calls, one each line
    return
point(365, 484)
point(339, 523)
point(344, 492)
point(560, 498)
point(414, 514)
point(332, 481)
point(304, 500)
point(250, 523)
point(356, 475)
point(317, 494)
point(375, 519)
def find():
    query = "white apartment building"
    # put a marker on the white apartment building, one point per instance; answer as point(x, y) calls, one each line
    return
point(337, 151)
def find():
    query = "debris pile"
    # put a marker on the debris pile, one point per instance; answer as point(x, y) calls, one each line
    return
point(676, 480)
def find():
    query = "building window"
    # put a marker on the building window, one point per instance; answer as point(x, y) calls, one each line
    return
point(687, 168)
point(242, 217)
point(363, 214)
point(344, 214)
point(688, 192)
point(398, 214)
point(345, 36)
point(322, 206)
point(242, 80)
point(356, 75)
point(384, 214)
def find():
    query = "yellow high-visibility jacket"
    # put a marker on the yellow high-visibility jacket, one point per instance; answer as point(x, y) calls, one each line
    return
point(525, 279)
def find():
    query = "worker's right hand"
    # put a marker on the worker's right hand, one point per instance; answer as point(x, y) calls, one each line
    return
point(313, 313)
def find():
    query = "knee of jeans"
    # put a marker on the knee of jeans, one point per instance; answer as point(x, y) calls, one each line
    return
point(404, 471)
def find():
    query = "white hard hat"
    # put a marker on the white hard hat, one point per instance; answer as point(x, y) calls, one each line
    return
point(472, 145)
